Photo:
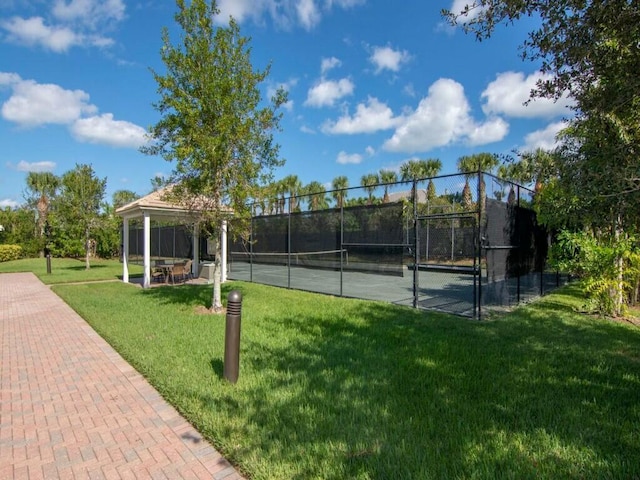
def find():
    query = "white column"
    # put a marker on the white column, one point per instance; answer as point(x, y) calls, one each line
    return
point(147, 251)
point(195, 267)
point(223, 252)
point(125, 250)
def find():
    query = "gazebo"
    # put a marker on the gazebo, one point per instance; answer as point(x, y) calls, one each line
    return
point(157, 206)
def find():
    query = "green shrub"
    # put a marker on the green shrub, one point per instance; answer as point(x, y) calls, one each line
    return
point(10, 252)
point(609, 267)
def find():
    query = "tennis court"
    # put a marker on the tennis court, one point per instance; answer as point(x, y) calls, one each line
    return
point(446, 291)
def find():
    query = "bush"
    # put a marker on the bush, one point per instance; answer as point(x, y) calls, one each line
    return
point(10, 252)
point(610, 268)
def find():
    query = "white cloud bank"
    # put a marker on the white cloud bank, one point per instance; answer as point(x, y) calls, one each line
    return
point(509, 92)
point(103, 129)
point(33, 104)
point(545, 139)
point(443, 117)
point(73, 23)
point(39, 167)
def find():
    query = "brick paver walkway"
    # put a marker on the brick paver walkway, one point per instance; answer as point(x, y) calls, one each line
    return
point(71, 407)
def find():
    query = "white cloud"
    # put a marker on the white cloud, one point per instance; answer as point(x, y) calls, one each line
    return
point(544, 139)
point(325, 93)
point(89, 12)
point(458, 6)
point(507, 95)
point(34, 104)
point(386, 58)
point(23, 166)
point(329, 64)
point(348, 158)
point(9, 79)
point(493, 130)
point(105, 130)
point(306, 129)
point(33, 32)
point(284, 13)
point(7, 202)
point(369, 118)
point(370, 151)
point(308, 13)
point(442, 118)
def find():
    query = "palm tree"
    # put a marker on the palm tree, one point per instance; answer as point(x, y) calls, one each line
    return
point(370, 182)
point(418, 169)
point(387, 177)
point(316, 195)
point(476, 164)
point(432, 167)
point(293, 187)
point(42, 187)
point(339, 186)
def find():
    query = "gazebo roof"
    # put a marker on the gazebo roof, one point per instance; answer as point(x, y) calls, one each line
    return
point(155, 204)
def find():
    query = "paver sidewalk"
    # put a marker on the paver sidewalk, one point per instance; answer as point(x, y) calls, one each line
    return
point(71, 407)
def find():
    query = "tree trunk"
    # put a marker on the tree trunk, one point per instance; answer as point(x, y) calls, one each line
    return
point(618, 295)
point(216, 299)
point(87, 250)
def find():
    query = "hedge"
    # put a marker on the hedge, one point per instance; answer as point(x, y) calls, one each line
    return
point(10, 252)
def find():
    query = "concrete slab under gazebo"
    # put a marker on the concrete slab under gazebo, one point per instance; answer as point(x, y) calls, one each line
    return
point(157, 206)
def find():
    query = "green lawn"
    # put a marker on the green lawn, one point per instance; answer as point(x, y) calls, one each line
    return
point(335, 388)
point(66, 270)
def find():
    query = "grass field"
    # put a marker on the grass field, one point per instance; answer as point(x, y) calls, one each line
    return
point(68, 270)
point(337, 388)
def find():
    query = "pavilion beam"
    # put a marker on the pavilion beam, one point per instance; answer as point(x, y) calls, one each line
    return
point(147, 250)
point(223, 253)
point(195, 266)
point(125, 250)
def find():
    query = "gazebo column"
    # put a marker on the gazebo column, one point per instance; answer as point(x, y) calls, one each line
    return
point(223, 252)
point(195, 266)
point(147, 251)
point(125, 250)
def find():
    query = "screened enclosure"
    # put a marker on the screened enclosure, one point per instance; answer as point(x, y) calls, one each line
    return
point(455, 243)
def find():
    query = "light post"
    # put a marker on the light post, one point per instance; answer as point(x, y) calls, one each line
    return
point(47, 252)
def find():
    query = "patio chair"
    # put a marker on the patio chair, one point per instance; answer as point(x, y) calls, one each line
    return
point(181, 270)
point(157, 274)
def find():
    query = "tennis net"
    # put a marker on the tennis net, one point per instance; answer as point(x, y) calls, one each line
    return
point(329, 259)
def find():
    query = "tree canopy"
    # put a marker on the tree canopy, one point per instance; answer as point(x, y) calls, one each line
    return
point(214, 124)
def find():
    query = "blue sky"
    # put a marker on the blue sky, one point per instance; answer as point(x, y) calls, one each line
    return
point(371, 85)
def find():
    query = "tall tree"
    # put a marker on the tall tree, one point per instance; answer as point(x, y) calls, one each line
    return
point(387, 177)
point(370, 182)
point(339, 186)
point(589, 50)
point(41, 188)
point(79, 202)
point(316, 195)
point(214, 123)
point(122, 197)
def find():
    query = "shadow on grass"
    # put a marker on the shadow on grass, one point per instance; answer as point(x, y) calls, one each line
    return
point(77, 268)
point(394, 393)
point(190, 295)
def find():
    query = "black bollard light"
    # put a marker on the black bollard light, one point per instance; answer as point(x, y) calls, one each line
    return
point(232, 336)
